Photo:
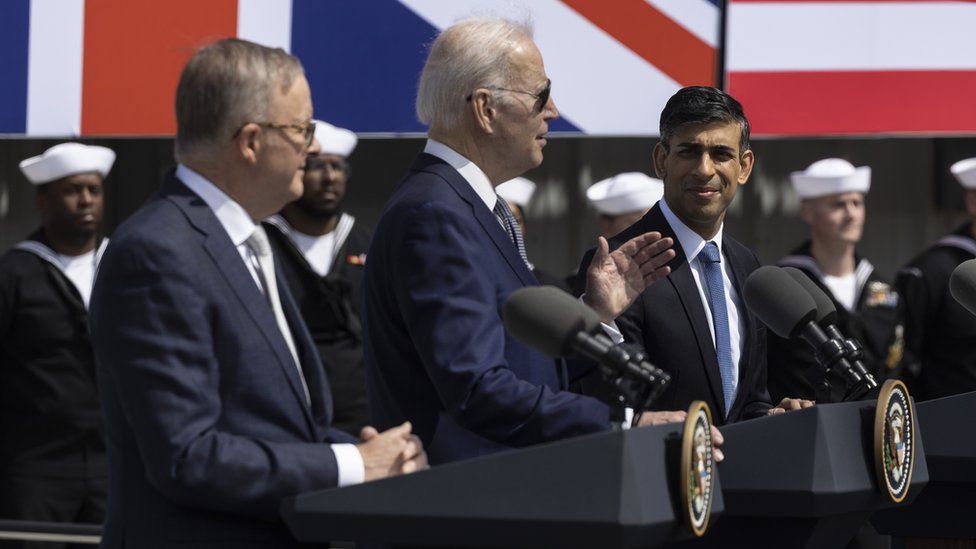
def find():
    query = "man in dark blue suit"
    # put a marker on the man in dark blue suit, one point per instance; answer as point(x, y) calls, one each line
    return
point(447, 253)
point(216, 403)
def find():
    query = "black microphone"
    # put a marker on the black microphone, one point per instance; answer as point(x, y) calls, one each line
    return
point(827, 319)
point(962, 285)
point(783, 305)
point(557, 324)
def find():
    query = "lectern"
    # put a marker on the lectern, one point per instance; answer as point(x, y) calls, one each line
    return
point(615, 489)
point(945, 508)
point(803, 479)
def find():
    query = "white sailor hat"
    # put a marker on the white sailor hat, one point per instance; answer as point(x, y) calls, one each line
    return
point(518, 191)
point(965, 172)
point(831, 176)
point(67, 159)
point(624, 193)
point(334, 140)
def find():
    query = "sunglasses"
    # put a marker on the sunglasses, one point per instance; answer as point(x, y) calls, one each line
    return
point(307, 130)
point(541, 98)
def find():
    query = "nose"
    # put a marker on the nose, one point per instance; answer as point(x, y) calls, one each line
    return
point(549, 111)
point(705, 167)
point(85, 197)
point(314, 148)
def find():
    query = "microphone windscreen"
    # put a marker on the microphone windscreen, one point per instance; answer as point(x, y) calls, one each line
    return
point(547, 319)
point(779, 301)
point(826, 312)
point(962, 285)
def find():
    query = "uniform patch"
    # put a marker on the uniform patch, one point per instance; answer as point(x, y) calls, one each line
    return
point(881, 295)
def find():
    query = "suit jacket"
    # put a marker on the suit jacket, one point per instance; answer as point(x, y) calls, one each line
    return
point(206, 418)
point(439, 271)
point(669, 320)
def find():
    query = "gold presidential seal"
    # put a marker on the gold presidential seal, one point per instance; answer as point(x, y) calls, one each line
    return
point(894, 439)
point(697, 468)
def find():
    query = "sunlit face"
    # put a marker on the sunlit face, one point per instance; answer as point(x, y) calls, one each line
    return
point(73, 205)
point(521, 127)
point(702, 169)
point(282, 163)
point(324, 184)
point(611, 225)
point(835, 218)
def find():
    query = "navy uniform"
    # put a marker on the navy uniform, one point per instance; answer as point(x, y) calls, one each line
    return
point(876, 322)
point(940, 334)
point(53, 462)
point(330, 307)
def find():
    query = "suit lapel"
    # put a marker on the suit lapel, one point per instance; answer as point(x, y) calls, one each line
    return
point(739, 276)
point(486, 218)
point(683, 282)
point(228, 262)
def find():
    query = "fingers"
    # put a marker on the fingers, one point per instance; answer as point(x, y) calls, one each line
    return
point(638, 243)
point(806, 403)
point(660, 418)
point(411, 448)
point(717, 438)
point(718, 455)
point(775, 411)
point(368, 432)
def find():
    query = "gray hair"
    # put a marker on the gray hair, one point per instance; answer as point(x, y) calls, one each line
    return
point(224, 86)
point(470, 54)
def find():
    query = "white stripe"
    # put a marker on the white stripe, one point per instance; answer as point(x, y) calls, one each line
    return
point(57, 37)
point(851, 36)
point(599, 84)
point(699, 17)
point(267, 22)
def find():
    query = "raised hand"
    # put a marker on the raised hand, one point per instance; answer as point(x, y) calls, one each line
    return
point(614, 280)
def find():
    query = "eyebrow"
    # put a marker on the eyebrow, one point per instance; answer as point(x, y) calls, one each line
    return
point(700, 146)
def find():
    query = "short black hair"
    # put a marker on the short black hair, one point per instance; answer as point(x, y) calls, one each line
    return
point(702, 105)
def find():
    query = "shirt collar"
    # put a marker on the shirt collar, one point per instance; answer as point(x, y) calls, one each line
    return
point(690, 241)
point(231, 215)
point(469, 171)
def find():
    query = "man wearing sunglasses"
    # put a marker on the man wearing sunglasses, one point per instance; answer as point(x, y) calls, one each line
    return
point(322, 250)
point(217, 406)
point(447, 253)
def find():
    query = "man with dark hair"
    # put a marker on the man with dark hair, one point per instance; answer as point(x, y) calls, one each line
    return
point(694, 323)
point(322, 250)
point(216, 403)
point(52, 455)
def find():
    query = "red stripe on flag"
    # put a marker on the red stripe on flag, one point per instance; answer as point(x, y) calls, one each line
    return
point(654, 36)
point(134, 52)
point(825, 103)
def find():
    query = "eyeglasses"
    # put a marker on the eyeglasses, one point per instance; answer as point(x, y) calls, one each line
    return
point(541, 98)
point(314, 163)
point(307, 129)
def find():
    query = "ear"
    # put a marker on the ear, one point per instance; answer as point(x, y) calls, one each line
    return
point(971, 202)
point(483, 110)
point(746, 161)
point(806, 211)
point(658, 157)
point(247, 143)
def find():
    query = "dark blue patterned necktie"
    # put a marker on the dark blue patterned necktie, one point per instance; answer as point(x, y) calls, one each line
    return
point(512, 227)
point(710, 259)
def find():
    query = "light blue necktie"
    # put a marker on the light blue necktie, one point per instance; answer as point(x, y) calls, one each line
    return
point(710, 259)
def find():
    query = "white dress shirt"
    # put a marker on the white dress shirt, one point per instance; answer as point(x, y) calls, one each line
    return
point(691, 243)
point(239, 226)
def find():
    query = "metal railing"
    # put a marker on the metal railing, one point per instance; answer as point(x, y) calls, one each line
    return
point(60, 532)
